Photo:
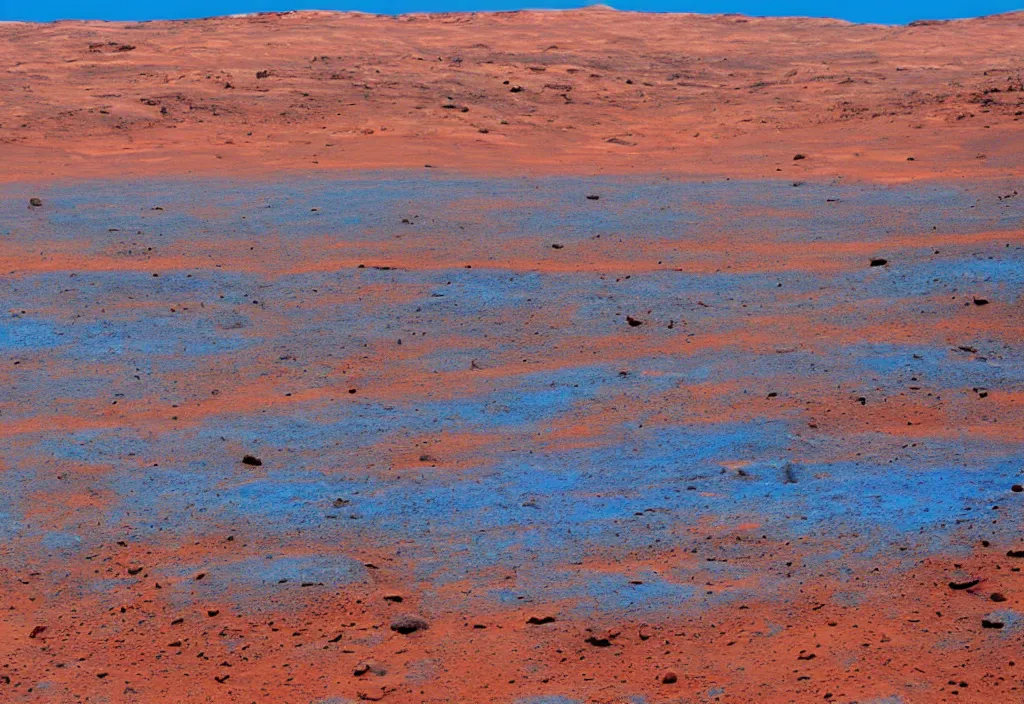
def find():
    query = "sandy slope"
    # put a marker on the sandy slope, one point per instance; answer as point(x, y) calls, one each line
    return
point(577, 91)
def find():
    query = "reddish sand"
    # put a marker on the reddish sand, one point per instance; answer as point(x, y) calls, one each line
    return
point(601, 91)
point(769, 486)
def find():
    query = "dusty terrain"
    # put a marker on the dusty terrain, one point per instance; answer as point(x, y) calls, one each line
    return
point(583, 92)
point(690, 371)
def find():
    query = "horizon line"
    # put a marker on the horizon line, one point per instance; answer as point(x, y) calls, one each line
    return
point(581, 8)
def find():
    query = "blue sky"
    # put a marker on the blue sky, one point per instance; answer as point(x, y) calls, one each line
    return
point(885, 11)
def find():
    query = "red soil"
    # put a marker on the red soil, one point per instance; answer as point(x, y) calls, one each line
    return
point(602, 91)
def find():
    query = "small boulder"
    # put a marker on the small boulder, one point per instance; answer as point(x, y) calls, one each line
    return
point(369, 666)
point(409, 623)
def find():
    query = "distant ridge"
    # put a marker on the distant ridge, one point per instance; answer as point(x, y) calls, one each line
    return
point(585, 90)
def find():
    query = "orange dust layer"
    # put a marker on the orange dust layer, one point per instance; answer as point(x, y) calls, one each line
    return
point(881, 629)
point(625, 254)
point(581, 91)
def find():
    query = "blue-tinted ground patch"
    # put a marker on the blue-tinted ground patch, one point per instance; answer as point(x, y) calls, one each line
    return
point(656, 478)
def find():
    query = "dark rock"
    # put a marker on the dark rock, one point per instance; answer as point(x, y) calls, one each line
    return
point(798, 157)
point(997, 597)
point(1017, 488)
point(669, 678)
point(540, 620)
point(986, 623)
point(879, 261)
point(593, 197)
point(396, 598)
point(633, 322)
point(980, 301)
point(35, 202)
point(409, 623)
point(599, 641)
point(252, 460)
point(964, 585)
point(1015, 553)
